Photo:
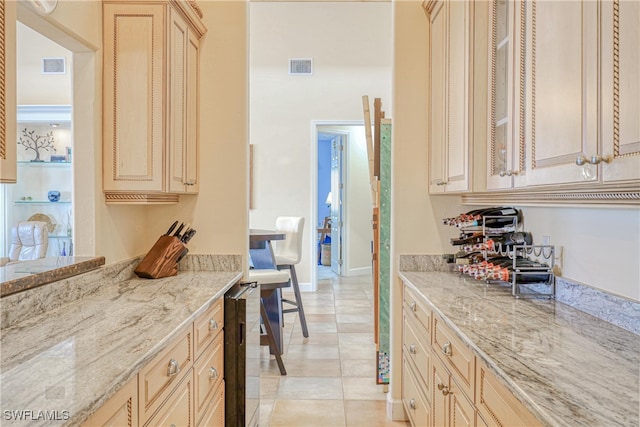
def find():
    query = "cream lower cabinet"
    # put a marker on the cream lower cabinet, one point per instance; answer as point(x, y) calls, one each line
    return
point(443, 382)
point(173, 388)
point(450, 103)
point(8, 166)
point(150, 95)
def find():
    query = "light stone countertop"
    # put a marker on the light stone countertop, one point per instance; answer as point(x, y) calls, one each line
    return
point(74, 357)
point(569, 368)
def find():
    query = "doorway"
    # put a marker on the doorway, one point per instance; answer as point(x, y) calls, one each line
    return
point(342, 194)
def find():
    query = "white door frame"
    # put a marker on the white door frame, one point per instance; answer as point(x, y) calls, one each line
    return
point(315, 124)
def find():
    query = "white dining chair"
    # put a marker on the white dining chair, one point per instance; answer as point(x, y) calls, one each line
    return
point(288, 253)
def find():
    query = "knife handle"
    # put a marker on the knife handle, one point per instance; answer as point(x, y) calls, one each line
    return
point(168, 233)
point(177, 233)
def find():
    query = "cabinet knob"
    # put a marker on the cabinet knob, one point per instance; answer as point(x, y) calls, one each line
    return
point(173, 368)
point(593, 160)
point(213, 325)
point(508, 173)
point(213, 373)
point(190, 182)
point(446, 349)
point(442, 182)
point(412, 404)
point(444, 389)
point(412, 349)
point(413, 306)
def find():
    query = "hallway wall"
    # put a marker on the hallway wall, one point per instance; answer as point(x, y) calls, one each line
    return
point(349, 59)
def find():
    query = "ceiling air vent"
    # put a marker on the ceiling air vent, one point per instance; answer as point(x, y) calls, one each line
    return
point(53, 66)
point(300, 66)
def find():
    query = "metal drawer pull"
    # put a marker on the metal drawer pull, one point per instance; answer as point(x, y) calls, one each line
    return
point(213, 373)
point(413, 306)
point(213, 325)
point(444, 389)
point(173, 368)
point(446, 349)
point(412, 349)
point(412, 404)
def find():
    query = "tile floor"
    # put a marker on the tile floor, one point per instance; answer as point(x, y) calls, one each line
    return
point(330, 379)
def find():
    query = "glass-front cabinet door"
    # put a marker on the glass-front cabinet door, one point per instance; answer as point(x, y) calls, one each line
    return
point(506, 144)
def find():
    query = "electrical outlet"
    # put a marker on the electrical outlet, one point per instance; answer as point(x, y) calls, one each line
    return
point(546, 240)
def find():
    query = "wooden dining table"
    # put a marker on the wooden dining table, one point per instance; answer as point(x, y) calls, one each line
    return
point(263, 257)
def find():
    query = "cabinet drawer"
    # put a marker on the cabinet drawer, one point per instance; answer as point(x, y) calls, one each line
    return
point(497, 405)
point(416, 347)
point(214, 413)
point(208, 371)
point(177, 411)
point(414, 401)
point(457, 357)
point(207, 326)
point(157, 380)
point(413, 304)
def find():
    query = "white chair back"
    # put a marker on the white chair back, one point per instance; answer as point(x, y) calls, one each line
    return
point(29, 241)
point(289, 250)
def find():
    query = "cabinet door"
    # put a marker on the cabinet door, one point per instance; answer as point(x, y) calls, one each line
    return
point(183, 103)
point(133, 97)
point(120, 410)
point(437, 104)
point(506, 151)
point(440, 386)
point(621, 89)
point(450, 103)
point(561, 90)
point(8, 92)
point(459, 99)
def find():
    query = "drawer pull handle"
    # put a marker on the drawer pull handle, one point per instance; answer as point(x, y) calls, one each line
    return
point(213, 325)
point(412, 349)
point(413, 306)
point(444, 389)
point(412, 404)
point(446, 349)
point(213, 373)
point(173, 368)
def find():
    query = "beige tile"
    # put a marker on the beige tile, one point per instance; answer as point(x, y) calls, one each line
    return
point(355, 327)
point(310, 388)
point(349, 309)
point(357, 351)
point(362, 389)
point(308, 413)
point(355, 318)
point(330, 338)
point(313, 367)
point(313, 351)
point(356, 338)
point(359, 368)
point(320, 318)
point(266, 409)
point(269, 387)
point(369, 413)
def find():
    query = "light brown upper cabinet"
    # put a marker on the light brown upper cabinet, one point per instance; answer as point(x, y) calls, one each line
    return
point(506, 149)
point(620, 90)
point(151, 77)
point(561, 90)
point(451, 100)
point(564, 99)
point(8, 141)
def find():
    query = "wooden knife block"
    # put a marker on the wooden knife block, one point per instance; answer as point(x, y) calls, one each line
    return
point(162, 259)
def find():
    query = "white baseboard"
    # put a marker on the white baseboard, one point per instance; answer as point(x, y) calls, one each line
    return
point(395, 409)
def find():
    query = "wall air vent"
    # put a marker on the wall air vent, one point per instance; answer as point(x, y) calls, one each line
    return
point(300, 67)
point(53, 66)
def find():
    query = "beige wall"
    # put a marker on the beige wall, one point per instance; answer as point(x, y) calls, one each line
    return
point(351, 51)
